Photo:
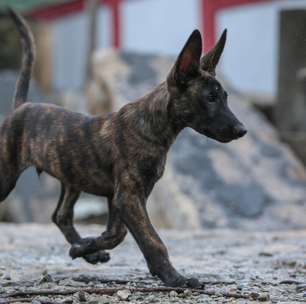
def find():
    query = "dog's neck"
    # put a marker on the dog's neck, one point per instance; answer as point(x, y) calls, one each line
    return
point(152, 117)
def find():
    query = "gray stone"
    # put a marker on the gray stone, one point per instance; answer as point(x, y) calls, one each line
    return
point(82, 296)
point(45, 278)
point(173, 294)
point(253, 183)
point(192, 253)
point(123, 294)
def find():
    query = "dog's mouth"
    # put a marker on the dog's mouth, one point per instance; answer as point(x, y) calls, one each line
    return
point(226, 138)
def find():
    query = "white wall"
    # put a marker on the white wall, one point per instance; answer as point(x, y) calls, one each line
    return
point(158, 25)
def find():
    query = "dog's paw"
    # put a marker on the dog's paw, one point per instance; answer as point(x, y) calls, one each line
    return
point(75, 251)
point(97, 257)
point(181, 281)
point(86, 246)
point(175, 281)
point(193, 283)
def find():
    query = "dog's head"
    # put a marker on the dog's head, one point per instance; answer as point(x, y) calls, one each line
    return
point(197, 98)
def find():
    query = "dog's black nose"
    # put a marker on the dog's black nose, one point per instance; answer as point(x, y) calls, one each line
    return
point(240, 130)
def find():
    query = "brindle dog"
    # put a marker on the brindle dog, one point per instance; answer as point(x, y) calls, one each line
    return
point(120, 156)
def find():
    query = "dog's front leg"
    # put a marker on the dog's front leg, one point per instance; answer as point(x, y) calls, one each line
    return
point(133, 213)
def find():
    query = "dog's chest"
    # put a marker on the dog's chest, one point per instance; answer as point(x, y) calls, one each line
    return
point(150, 170)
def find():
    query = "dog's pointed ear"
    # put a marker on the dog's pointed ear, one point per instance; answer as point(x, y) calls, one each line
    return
point(211, 59)
point(187, 64)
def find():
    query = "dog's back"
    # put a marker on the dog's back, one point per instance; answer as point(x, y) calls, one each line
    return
point(67, 145)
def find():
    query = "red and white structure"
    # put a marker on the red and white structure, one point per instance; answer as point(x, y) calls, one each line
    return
point(250, 59)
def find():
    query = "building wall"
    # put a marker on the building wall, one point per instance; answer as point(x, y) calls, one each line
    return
point(249, 62)
point(158, 25)
point(251, 57)
point(70, 47)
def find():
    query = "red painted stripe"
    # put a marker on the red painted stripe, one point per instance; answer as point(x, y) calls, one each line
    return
point(209, 10)
point(57, 10)
point(54, 11)
point(115, 6)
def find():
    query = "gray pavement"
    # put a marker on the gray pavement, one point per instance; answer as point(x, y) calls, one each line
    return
point(265, 266)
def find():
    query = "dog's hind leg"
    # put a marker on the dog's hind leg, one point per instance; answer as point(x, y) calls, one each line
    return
point(112, 237)
point(6, 186)
point(63, 218)
point(63, 214)
point(8, 179)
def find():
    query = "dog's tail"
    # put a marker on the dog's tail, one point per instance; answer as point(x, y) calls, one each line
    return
point(28, 56)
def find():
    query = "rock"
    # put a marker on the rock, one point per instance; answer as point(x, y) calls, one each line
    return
point(82, 296)
point(263, 297)
point(41, 300)
point(67, 301)
point(106, 300)
point(123, 294)
point(253, 295)
point(46, 277)
point(173, 294)
point(6, 277)
point(255, 182)
point(265, 254)
point(151, 298)
point(187, 293)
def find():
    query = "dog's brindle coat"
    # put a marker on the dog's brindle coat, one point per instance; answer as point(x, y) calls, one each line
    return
point(120, 156)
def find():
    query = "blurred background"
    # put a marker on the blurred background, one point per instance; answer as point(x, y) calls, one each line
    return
point(94, 56)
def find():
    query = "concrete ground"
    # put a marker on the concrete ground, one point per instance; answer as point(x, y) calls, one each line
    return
point(236, 267)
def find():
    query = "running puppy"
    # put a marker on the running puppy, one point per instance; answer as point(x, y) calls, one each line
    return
point(120, 156)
